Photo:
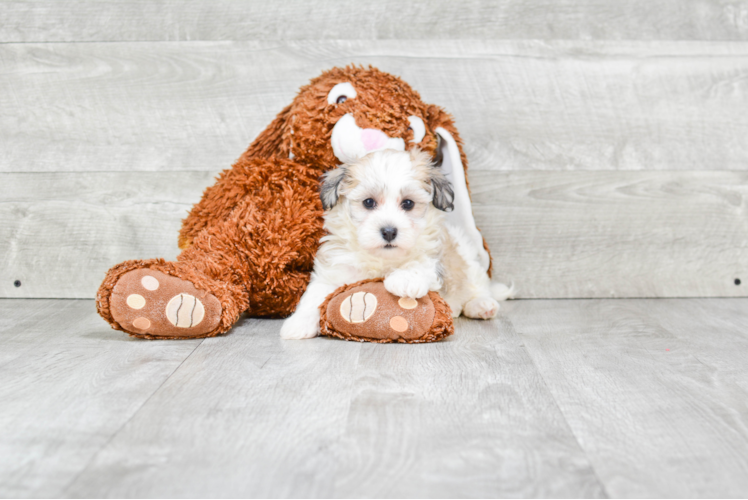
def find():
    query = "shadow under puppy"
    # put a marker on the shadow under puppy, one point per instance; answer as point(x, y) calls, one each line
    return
point(384, 218)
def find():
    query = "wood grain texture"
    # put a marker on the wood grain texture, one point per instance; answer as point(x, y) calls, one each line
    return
point(247, 415)
point(554, 234)
point(519, 105)
point(706, 329)
point(616, 234)
point(571, 398)
point(656, 417)
point(61, 232)
point(65, 21)
point(326, 418)
point(468, 417)
point(69, 383)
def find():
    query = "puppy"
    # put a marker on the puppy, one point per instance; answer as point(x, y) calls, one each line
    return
point(384, 218)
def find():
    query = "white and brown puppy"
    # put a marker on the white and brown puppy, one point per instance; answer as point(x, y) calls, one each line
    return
point(384, 218)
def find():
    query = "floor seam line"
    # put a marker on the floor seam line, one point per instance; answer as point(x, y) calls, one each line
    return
point(348, 410)
point(560, 410)
point(124, 424)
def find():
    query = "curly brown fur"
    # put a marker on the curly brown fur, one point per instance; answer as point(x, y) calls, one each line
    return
point(252, 237)
point(384, 102)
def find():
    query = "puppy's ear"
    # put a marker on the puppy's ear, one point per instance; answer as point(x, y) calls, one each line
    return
point(328, 192)
point(444, 196)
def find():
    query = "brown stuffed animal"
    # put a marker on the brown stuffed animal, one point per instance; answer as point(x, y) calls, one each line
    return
point(249, 244)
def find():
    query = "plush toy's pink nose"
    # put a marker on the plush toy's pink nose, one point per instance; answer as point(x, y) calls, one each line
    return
point(373, 139)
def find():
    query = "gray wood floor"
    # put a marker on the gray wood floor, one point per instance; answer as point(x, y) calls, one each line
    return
point(558, 398)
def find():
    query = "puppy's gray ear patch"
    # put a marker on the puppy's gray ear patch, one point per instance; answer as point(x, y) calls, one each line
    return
point(444, 195)
point(328, 192)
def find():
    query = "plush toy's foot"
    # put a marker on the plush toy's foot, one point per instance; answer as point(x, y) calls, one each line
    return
point(366, 312)
point(151, 304)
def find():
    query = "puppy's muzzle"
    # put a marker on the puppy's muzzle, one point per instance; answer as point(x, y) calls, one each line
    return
point(389, 233)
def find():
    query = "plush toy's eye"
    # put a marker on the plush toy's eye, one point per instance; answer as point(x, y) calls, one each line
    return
point(341, 93)
point(418, 128)
point(369, 203)
point(408, 205)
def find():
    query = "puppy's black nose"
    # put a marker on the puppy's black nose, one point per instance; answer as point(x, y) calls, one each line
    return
point(389, 233)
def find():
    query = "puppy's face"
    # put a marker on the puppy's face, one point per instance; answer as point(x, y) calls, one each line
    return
point(387, 196)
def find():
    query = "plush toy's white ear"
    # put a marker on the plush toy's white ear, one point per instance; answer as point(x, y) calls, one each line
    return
point(462, 215)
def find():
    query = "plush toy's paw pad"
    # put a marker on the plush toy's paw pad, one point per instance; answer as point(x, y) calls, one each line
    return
point(149, 303)
point(368, 312)
point(482, 308)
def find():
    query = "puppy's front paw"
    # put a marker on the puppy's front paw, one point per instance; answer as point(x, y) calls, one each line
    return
point(406, 284)
point(300, 326)
point(481, 308)
point(456, 307)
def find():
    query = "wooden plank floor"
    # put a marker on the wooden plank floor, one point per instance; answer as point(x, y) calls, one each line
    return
point(555, 398)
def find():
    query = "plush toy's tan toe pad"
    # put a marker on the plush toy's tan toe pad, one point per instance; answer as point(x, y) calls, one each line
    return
point(367, 312)
point(149, 303)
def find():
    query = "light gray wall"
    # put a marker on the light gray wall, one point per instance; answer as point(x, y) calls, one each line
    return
point(608, 141)
point(176, 20)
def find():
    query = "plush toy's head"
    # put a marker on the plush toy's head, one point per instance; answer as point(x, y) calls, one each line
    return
point(346, 113)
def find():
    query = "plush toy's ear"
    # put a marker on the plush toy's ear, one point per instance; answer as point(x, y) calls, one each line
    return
point(436, 117)
point(275, 140)
point(453, 164)
point(328, 192)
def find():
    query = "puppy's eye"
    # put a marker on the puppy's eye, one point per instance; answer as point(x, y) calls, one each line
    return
point(369, 203)
point(341, 99)
point(407, 205)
